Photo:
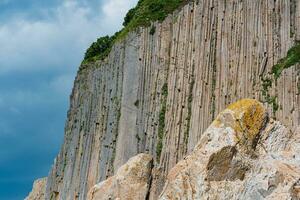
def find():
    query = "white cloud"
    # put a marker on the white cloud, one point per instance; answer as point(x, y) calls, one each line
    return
point(115, 10)
point(46, 52)
point(58, 42)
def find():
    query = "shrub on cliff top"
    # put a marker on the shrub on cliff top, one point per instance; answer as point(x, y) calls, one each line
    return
point(100, 46)
point(145, 12)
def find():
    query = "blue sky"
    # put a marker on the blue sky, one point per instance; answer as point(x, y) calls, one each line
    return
point(42, 44)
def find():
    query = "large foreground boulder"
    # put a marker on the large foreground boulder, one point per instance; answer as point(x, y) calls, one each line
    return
point(242, 155)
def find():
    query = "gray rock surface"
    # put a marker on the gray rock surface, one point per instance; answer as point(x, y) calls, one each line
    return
point(201, 58)
point(227, 166)
point(132, 181)
point(38, 190)
point(242, 155)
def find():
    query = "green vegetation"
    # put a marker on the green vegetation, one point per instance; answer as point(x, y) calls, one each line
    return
point(271, 100)
point(189, 113)
point(146, 12)
point(152, 30)
point(161, 120)
point(129, 16)
point(266, 84)
point(292, 58)
point(100, 49)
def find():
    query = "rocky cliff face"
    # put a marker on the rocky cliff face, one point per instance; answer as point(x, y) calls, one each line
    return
point(38, 190)
point(242, 155)
point(158, 91)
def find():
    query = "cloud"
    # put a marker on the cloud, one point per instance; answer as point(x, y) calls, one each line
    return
point(116, 10)
point(59, 40)
point(39, 57)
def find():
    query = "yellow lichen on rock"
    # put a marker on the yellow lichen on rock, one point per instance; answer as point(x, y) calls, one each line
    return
point(247, 117)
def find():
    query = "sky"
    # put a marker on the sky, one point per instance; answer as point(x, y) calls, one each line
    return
point(42, 43)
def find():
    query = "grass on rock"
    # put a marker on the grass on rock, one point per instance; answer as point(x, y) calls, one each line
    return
point(145, 12)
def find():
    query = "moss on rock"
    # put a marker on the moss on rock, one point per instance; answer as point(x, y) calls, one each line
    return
point(292, 58)
point(247, 118)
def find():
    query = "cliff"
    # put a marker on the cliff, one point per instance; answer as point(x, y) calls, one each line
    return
point(242, 155)
point(161, 86)
point(38, 190)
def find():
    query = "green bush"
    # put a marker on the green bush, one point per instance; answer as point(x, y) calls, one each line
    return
point(100, 49)
point(101, 45)
point(145, 12)
point(129, 16)
point(148, 11)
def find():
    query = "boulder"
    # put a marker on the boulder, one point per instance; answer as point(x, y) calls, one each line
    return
point(132, 181)
point(242, 155)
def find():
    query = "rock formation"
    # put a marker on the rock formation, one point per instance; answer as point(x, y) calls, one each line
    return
point(132, 181)
point(158, 91)
point(38, 190)
point(242, 155)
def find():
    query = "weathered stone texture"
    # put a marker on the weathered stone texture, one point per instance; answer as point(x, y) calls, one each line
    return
point(38, 190)
point(219, 168)
point(132, 181)
point(208, 54)
point(242, 155)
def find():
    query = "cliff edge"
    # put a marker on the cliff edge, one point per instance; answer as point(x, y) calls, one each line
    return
point(157, 88)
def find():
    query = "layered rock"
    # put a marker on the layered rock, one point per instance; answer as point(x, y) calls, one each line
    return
point(132, 181)
point(38, 190)
point(157, 93)
point(240, 156)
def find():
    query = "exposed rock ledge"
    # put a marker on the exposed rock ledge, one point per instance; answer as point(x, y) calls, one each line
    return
point(242, 155)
